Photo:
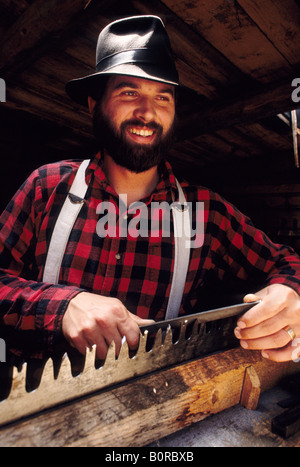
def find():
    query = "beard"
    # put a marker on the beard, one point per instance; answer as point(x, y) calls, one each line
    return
point(133, 156)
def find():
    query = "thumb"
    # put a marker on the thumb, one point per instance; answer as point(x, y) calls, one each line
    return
point(142, 321)
point(250, 297)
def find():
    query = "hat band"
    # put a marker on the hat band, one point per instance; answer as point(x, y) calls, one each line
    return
point(164, 65)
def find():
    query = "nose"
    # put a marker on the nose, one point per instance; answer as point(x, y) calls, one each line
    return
point(145, 110)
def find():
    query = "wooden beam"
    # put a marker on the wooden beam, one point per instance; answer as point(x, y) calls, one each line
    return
point(266, 101)
point(38, 22)
point(226, 26)
point(280, 23)
point(150, 407)
point(51, 109)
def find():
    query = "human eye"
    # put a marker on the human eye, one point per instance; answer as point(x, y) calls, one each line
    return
point(164, 99)
point(129, 93)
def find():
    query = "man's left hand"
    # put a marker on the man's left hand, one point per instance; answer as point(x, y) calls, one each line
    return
point(264, 327)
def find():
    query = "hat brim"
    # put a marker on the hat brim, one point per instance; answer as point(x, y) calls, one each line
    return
point(81, 88)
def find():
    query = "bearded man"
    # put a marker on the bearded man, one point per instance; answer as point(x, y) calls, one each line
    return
point(107, 286)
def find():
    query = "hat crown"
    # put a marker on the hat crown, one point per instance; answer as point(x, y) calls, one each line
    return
point(131, 33)
point(144, 36)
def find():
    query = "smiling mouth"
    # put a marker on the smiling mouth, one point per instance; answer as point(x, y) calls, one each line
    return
point(146, 133)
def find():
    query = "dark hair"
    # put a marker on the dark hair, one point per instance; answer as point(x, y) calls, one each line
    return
point(97, 89)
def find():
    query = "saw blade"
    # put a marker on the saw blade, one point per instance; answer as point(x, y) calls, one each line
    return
point(203, 316)
point(195, 336)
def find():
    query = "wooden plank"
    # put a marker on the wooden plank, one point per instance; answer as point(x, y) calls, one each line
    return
point(39, 20)
point(287, 423)
point(242, 145)
point(49, 108)
point(10, 10)
point(280, 22)
point(150, 407)
point(269, 140)
point(251, 389)
point(230, 30)
point(250, 107)
point(229, 142)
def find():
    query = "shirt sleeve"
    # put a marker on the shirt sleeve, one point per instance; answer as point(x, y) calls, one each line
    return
point(30, 311)
point(248, 253)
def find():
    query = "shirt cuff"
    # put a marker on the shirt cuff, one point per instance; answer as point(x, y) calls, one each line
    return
point(50, 312)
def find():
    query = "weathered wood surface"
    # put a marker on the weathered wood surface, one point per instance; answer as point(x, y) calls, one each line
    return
point(251, 389)
point(39, 20)
point(148, 408)
point(231, 28)
point(253, 106)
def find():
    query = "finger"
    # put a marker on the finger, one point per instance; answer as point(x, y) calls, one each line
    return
point(101, 348)
point(129, 328)
point(267, 308)
point(291, 352)
point(142, 321)
point(103, 341)
point(80, 344)
point(133, 337)
point(251, 298)
point(273, 341)
point(265, 328)
point(254, 316)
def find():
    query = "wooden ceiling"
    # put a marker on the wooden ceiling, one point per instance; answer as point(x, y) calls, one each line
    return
point(241, 56)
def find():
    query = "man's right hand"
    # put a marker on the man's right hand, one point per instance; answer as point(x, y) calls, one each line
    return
point(92, 319)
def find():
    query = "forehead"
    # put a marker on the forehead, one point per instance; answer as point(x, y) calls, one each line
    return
point(121, 81)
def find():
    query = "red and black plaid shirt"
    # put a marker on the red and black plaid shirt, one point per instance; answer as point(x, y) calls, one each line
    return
point(138, 271)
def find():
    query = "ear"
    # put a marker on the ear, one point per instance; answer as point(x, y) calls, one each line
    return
point(91, 104)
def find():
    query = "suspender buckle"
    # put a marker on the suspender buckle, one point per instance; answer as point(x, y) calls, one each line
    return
point(75, 199)
point(180, 207)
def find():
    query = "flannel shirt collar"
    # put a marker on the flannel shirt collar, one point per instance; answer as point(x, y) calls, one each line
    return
point(166, 183)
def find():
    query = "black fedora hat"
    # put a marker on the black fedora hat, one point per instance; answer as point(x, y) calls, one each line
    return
point(137, 46)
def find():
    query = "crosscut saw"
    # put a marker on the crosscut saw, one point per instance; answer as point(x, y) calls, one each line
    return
point(162, 344)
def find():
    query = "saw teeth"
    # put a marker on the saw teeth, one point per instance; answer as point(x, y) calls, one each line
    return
point(157, 341)
point(34, 373)
point(90, 358)
point(65, 367)
point(193, 341)
point(182, 331)
point(19, 377)
point(192, 330)
point(142, 343)
point(124, 352)
point(168, 341)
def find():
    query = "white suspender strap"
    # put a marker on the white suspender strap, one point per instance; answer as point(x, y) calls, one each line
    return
point(69, 214)
point(182, 240)
point(64, 224)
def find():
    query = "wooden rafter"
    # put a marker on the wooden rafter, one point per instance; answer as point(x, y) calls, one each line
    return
point(38, 22)
point(265, 102)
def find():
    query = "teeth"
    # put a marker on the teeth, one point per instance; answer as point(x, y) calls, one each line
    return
point(138, 132)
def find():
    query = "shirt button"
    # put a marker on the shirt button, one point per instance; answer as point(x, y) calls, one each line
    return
point(118, 256)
